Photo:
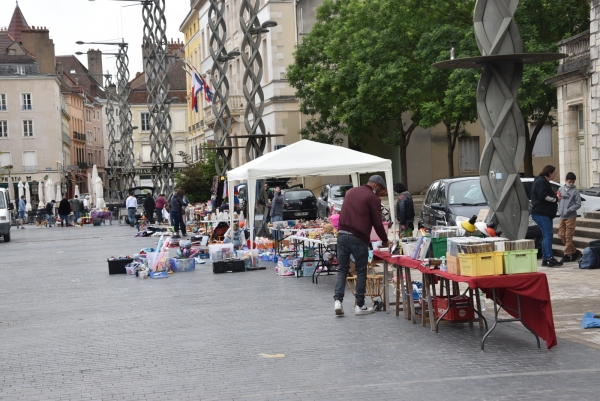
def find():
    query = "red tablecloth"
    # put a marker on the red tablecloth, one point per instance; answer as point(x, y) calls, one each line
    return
point(536, 306)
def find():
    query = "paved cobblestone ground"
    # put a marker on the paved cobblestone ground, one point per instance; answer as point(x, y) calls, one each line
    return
point(72, 332)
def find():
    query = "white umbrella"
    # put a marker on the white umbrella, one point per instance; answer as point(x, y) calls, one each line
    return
point(41, 194)
point(58, 197)
point(21, 188)
point(76, 191)
point(27, 197)
point(49, 190)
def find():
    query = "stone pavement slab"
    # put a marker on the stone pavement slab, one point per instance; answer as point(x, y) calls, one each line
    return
point(71, 331)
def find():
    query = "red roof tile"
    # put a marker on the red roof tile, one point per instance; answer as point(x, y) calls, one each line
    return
point(17, 24)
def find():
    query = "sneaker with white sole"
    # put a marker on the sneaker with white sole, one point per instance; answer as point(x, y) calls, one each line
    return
point(339, 309)
point(362, 310)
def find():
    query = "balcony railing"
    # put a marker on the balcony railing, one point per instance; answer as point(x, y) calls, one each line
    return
point(237, 106)
point(79, 136)
point(577, 49)
point(29, 169)
point(26, 107)
point(82, 165)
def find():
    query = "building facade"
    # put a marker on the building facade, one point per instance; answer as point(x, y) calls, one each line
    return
point(33, 116)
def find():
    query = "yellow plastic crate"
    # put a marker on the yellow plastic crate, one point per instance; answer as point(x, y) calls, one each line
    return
point(481, 264)
point(516, 262)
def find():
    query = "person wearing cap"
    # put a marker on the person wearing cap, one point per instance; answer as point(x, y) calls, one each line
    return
point(361, 212)
point(405, 211)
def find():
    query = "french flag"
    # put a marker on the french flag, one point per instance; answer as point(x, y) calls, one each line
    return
point(197, 86)
point(208, 95)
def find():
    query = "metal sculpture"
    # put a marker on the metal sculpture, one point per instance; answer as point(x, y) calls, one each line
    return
point(159, 105)
point(252, 60)
point(220, 83)
point(113, 182)
point(124, 89)
point(502, 61)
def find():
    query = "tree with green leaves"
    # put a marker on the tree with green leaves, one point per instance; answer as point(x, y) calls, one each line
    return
point(197, 177)
point(354, 74)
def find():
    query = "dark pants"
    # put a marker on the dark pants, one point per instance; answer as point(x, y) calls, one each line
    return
point(348, 244)
point(150, 215)
point(65, 220)
point(545, 224)
point(158, 213)
point(178, 223)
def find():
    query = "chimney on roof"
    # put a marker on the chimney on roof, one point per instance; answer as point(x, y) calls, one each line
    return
point(38, 43)
point(59, 70)
point(95, 64)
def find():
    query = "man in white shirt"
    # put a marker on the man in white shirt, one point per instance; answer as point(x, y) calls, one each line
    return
point(131, 204)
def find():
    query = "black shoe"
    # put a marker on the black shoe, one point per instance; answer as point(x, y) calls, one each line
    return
point(566, 259)
point(544, 262)
point(552, 263)
point(575, 257)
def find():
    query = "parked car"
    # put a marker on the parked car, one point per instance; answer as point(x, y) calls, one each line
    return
point(5, 214)
point(299, 204)
point(331, 198)
point(451, 198)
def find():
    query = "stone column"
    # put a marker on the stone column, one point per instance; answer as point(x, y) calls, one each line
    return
point(595, 92)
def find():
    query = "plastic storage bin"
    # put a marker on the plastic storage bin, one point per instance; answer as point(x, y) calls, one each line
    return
point(439, 247)
point(183, 265)
point(460, 309)
point(516, 262)
point(118, 266)
point(481, 264)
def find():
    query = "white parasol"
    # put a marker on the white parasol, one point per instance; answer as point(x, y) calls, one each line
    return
point(99, 191)
point(21, 188)
point(76, 191)
point(49, 190)
point(91, 189)
point(27, 197)
point(41, 195)
point(58, 197)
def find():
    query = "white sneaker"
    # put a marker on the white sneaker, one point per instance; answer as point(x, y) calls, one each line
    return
point(339, 309)
point(364, 310)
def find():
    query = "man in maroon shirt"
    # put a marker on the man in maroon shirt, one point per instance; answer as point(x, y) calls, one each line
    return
point(360, 212)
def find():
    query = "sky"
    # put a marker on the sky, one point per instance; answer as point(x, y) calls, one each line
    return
point(94, 21)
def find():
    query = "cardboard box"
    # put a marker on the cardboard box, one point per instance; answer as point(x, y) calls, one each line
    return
point(453, 264)
point(308, 268)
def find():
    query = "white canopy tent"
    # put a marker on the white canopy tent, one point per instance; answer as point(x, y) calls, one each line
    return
point(308, 158)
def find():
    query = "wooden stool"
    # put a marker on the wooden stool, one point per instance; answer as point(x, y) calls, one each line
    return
point(374, 285)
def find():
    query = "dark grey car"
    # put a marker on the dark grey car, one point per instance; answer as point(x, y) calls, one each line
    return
point(331, 197)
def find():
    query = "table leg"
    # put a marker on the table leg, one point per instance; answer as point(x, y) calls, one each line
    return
point(398, 293)
point(385, 285)
point(430, 288)
point(411, 301)
point(478, 309)
point(437, 322)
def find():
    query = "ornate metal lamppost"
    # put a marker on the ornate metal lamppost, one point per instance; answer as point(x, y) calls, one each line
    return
point(502, 60)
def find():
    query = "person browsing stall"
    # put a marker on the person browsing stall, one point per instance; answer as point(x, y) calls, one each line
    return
point(405, 211)
point(544, 206)
point(131, 204)
point(178, 203)
point(277, 205)
point(159, 206)
point(361, 212)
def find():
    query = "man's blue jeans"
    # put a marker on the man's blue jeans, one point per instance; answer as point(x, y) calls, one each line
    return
point(131, 215)
point(276, 218)
point(50, 219)
point(348, 244)
point(65, 220)
point(75, 217)
point(545, 224)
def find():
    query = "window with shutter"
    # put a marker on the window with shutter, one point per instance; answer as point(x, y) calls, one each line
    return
point(543, 142)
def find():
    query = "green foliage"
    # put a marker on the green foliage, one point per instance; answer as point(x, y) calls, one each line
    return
point(197, 177)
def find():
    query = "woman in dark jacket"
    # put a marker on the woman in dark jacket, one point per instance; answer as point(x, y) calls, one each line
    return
point(64, 209)
point(149, 205)
point(544, 203)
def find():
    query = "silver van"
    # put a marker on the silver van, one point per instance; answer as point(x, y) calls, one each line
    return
point(5, 208)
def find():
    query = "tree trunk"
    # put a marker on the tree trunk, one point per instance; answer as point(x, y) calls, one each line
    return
point(403, 166)
point(530, 138)
point(528, 159)
point(450, 151)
